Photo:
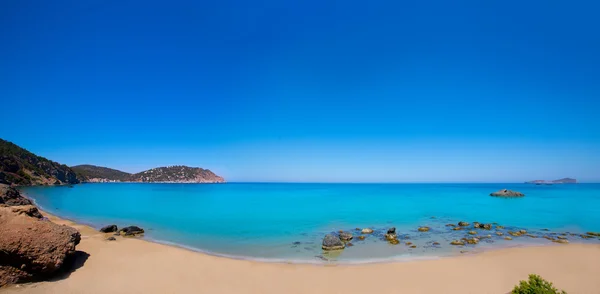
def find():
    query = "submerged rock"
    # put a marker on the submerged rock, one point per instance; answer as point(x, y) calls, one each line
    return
point(391, 234)
point(507, 238)
point(435, 243)
point(486, 226)
point(423, 229)
point(472, 241)
point(499, 227)
point(561, 241)
point(366, 231)
point(394, 241)
point(109, 229)
point(131, 231)
point(593, 234)
point(472, 233)
point(361, 237)
point(413, 246)
point(457, 228)
point(507, 193)
point(463, 224)
point(345, 236)
point(457, 242)
point(499, 233)
point(450, 225)
point(332, 242)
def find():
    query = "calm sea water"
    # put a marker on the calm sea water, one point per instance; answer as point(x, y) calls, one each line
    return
point(286, 222)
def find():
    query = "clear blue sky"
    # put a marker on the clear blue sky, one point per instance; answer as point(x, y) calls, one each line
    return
point(392, 91)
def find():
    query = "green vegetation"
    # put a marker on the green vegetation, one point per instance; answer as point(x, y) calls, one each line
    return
point(88, 172)
point(21, 167)
point(536, 285)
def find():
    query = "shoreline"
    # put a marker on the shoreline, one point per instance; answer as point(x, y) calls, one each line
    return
point(134, 265)
point(392, 259)
point(385, 260)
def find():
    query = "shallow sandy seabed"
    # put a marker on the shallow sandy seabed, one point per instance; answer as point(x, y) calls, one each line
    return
point(136, 266)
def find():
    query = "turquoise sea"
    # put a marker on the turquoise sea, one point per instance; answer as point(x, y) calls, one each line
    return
point(286, 222)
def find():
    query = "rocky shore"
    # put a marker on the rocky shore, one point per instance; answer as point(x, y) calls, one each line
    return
point(31, 247)
point(131, 265)
point(463, 235)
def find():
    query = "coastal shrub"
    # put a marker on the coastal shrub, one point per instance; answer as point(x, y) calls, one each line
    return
point(536, 285)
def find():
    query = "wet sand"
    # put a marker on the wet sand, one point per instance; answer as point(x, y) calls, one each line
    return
point(130, 265)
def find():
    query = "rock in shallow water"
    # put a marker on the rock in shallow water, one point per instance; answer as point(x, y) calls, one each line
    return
point(131, 231)
point(109, 229)
point(457, 242)
point(424, 229)
point(463, 224)
point(507, 193)
point(332, 242)
point(394, 241)
point(345, 236)
point(366, 231)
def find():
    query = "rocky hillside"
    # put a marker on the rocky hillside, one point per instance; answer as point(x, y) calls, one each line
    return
point(21, 167)
point(92, 173)
point(177, 174)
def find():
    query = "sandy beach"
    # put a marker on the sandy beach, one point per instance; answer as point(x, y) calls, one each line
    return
point(136, 266)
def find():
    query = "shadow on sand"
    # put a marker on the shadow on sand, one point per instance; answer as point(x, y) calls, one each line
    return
point(72, 264)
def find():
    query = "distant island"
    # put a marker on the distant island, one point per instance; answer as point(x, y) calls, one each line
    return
point(168, 174)
point(560, 181)
point(23, 168)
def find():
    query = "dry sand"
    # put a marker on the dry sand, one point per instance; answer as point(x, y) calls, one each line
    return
point(136, 266)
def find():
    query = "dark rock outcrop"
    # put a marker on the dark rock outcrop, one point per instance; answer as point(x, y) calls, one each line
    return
point(131, 231)
point(507, 193)
point(109, 229)
point(332, 242)
point(10, 196)
point(391, 235)
point(32, 248)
